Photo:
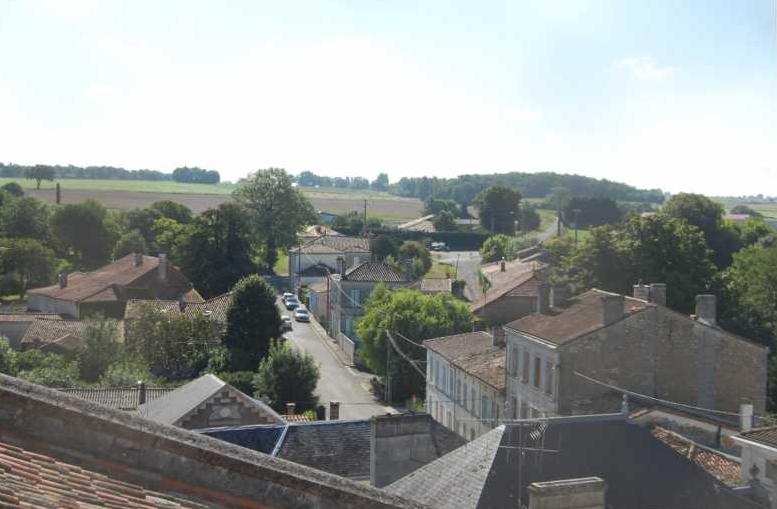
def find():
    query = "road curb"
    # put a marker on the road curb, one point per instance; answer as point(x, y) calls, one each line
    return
point(328, 340)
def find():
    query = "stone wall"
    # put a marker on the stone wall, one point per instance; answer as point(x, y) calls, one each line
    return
point(169, 459)
point(226, 409)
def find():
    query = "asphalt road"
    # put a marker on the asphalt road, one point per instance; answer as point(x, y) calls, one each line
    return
point(338, 382)
point(468, 265)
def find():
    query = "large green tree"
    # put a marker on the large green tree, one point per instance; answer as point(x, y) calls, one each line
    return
point(81, 231)
point(252, 321)
point(130, 242)
point(39, 173)
point(408, 315)
point(173, 210)
point(25, 217)
point(584, 212)
point(415, 255)
point(29, 260)
point(278, 210)
point(499, 208)
point(215, 251)
point(287, 375)
point(99, 348)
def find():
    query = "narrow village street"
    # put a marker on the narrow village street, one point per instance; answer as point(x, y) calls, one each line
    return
point(338, 382)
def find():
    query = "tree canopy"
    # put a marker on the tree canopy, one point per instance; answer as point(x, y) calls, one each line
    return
point(39, 173)
point(80, 229)
point(584, 212)
point(287, 375)
point(499, 209)
point(417, 317)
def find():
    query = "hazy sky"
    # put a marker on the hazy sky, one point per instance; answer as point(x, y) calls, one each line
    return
point(677, 94)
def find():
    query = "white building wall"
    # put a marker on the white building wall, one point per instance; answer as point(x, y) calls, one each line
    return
point(764, 459)
point(530, 361)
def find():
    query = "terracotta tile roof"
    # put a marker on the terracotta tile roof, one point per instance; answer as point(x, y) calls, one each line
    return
point(725, 468)
point(332, 244)
point(524, 283)
point(474, 353)
point(45, 331)
point(421, 224)
point(121, 398)
point(135, 307)
point(28, 479)
point(318, 230)
point(436, 285)
point(27, 317)
point(766, 435)
point(580, 315)
point(297, 418)
point(216, 307)
point(377, 272)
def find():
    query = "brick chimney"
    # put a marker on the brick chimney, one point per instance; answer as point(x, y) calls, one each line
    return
point(612, 308)
point(138, 259)
point(498, 335)
point(706, 309)
point(341, 266)
point(641, 292)
point(502, 265)
point(141, 392)
point(543, 298)
point(290, 409)
point(334, 410)
point(745, 416)
point(655, 293)
point(584, 493)
point(162, 269)
point(62, 280)
point(559, 295)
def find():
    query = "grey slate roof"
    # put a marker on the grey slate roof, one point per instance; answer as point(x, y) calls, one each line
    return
point(337, 447)
point(174, 406)
point(376, 272)
point(640, 471)
point(258, 437)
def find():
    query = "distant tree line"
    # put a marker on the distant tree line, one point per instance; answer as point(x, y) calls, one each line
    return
point(310, 179)
point(184, 174)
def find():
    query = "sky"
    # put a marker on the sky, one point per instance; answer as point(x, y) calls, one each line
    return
point(677, 95)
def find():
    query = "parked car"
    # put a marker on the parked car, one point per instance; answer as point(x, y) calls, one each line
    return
point(286, 295)
point(285, 323)
point(292, 303)
point(301, 315)
point(439, 246)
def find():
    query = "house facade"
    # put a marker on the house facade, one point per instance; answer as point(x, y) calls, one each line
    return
point(574, 357)
point(312, 261)
point(107, 289)
point(350, 289)
point(465, 388)
point(511, 293)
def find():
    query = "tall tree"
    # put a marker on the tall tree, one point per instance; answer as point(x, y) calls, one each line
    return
point(25, 217)
point(81, 231)
point(415, 254)
point(39, 173)
point(31, 261)
point(216, 250)
point(130, 242)
point(252, 321)
point(584, 212)
point(287, 375)
point(499, 209)
point(414, 316)
point(445, 222)
point(173, 210)
point(279, 211)
point(381, 182)
point(99, 348)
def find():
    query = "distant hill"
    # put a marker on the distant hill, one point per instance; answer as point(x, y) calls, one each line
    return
point(532, 185)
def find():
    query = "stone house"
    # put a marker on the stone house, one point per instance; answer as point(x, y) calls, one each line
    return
point(465, 381)
point(208, 402)
point(512, 291)
point(58, 450)
point(349, 290)
point(560, 358)
point(312, 261)
point(13, 326)
point(107, 289)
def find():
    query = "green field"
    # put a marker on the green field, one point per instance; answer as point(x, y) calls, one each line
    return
point(767, 209)
point(161, 186)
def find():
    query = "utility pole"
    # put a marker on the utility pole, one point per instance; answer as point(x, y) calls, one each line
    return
point(364, 232)
point(388, 372)
point(299, 266)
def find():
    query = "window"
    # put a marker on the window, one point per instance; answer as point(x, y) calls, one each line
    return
point(537, 372)
point(515, 360)
point(474, 401)
point(484, 408)
point(457, 392)
point(513, 407)
point(348, 327)
point(549, 378)
point(525, 367)
point(465, 396)
point(355, 294)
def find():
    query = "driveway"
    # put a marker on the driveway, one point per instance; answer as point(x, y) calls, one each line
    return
point(337, 382)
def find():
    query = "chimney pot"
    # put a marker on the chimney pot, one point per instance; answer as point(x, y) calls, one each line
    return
point(162, 267)
point(746, 416)
point(502, 265)
point(585, 493)
point(334, 410)
point(543, 298)
point(498, 335)
point(658, 293)
point(612, 308)
point(706, 311)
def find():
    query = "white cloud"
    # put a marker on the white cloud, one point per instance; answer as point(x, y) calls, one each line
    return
point(645, 68)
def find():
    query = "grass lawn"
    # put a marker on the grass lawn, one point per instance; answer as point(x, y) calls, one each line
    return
point(440, 271)
point(282, 265)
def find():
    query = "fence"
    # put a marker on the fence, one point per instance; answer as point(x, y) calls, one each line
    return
point(348, 346)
